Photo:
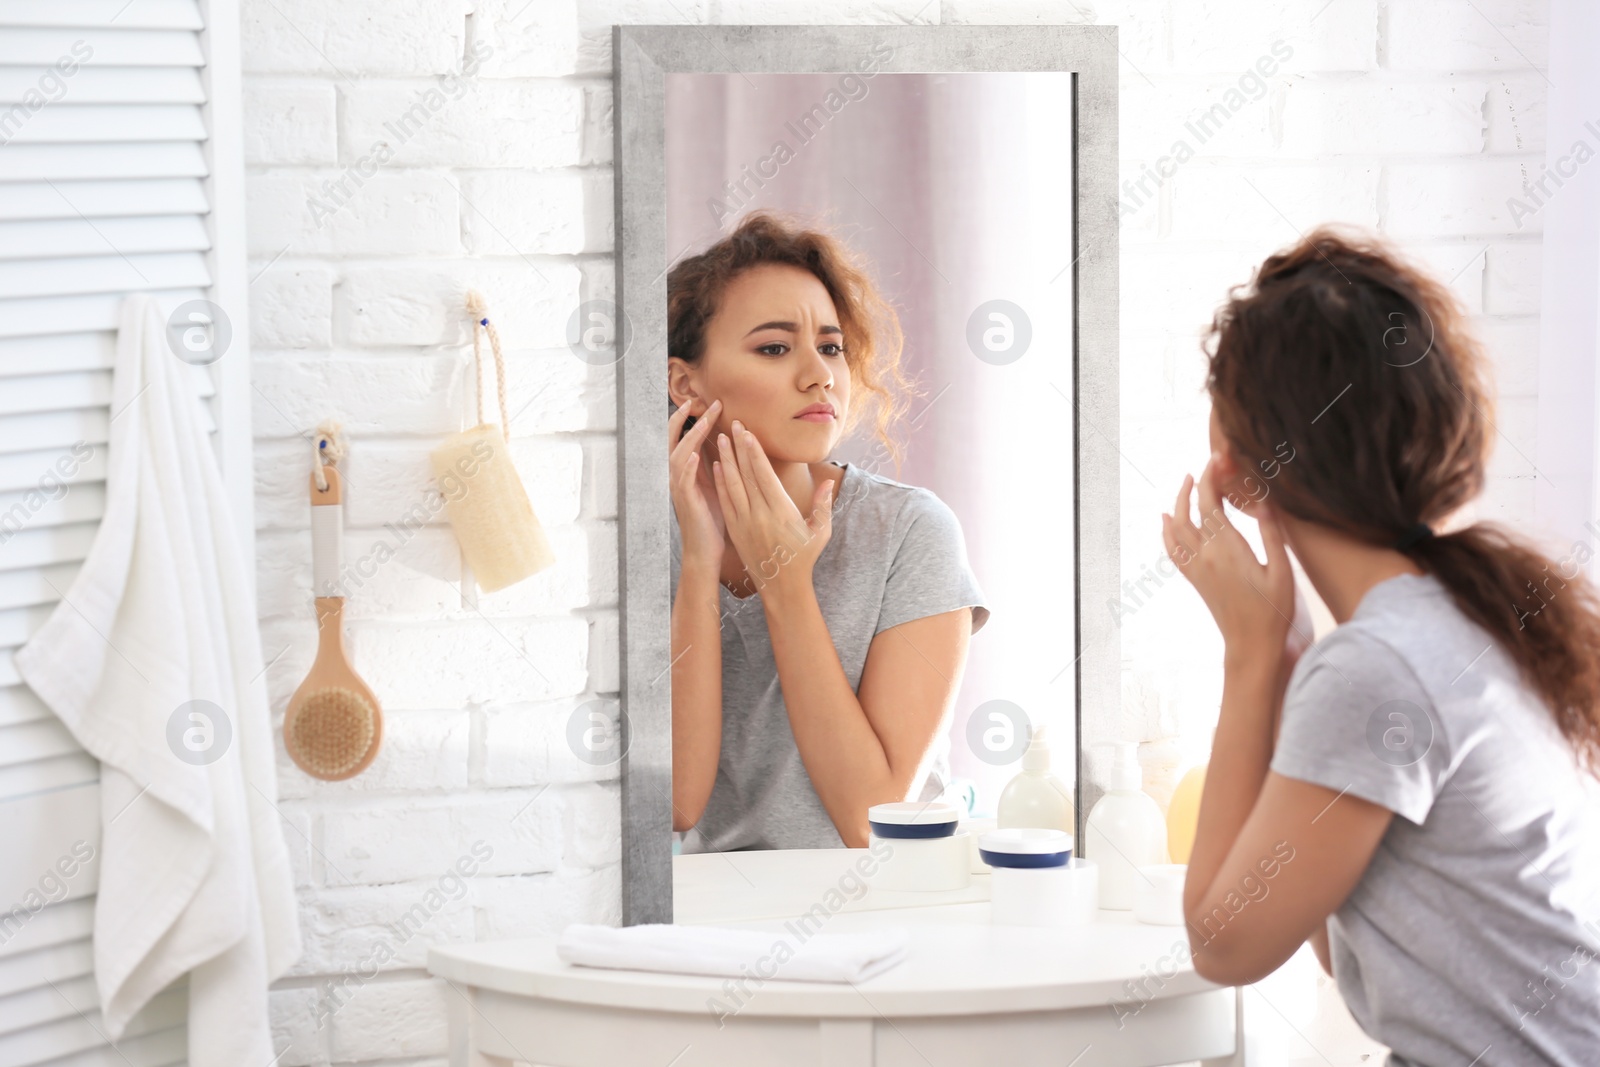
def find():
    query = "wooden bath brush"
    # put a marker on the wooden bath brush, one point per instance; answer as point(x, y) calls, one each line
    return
point(333, 724)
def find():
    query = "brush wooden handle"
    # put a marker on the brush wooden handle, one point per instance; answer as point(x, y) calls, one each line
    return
point(330, 630)
point(327, 536)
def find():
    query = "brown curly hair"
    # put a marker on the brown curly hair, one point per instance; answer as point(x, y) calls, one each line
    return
point(1366, 364)
point(873, 338)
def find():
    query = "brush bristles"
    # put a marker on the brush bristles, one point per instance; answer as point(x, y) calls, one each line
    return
point(330, 732)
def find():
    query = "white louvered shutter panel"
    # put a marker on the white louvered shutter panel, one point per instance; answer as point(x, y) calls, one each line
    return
point(123, 181)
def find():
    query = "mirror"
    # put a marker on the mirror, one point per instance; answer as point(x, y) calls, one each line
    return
point(949, 192)
point(950, 291)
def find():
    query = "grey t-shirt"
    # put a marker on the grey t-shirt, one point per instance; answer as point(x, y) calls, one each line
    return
point(1472, 936)
point(896, 554)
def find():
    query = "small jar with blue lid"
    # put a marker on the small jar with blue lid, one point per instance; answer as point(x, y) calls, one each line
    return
point(1025, 848)
point(1035, 881)
point(913, 819)
point(927, 850)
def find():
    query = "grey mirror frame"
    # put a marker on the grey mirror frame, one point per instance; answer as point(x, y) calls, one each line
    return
point(643, 55)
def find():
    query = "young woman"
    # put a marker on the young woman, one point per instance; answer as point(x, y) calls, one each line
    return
point(1415, 793)
point(789, 721)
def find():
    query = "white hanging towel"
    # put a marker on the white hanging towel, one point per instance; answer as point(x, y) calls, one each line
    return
point(194, 873)
point(723, 950)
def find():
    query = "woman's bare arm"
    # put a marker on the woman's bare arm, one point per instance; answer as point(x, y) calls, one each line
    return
point(867, 749)
point(696, 691)
point(1273, 856)
point(1295, 860)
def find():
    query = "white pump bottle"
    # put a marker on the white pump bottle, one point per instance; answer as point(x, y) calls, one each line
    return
point(1125, 831)
point(1036, 798)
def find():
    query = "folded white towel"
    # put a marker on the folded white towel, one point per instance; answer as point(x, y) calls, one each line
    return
point(721, 950)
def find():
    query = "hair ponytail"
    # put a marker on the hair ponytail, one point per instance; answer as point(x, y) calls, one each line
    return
point(1543, 611)
point(1365, 364)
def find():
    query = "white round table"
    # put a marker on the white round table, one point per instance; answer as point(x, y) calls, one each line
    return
point(1116, 993)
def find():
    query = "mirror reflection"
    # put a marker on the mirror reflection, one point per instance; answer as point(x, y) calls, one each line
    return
point(871, 413)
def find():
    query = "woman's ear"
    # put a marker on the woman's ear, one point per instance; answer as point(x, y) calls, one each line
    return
point(680, 386)
point(1235, 482)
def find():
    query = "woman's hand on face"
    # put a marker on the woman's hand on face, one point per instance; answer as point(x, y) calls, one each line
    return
point(776, 543)
point(1252, 604)
point(694, 495)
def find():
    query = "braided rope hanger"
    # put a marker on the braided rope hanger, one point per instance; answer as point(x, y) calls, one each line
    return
point(481, 322)
point(329, 446)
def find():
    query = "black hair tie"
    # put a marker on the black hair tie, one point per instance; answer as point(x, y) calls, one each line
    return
point(1420, 531)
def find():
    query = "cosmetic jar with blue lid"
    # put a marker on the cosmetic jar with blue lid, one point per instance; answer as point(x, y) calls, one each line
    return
point(920, 845)
point(906, 820)
point(1034, 880)
point(1025, 847)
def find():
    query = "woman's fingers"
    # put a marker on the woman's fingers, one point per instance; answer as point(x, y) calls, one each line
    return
point(745, 465)
point(1211, 510)
point(732, 479)
point(697, 433)
point(1171, 542)
point(1182, 524)
point(719, 476)
point(686, 446)
point(675, 434)
point(1180, 529)
point(760, 478)
point(680, 470)
point(1210, 503)
point(1180, 505)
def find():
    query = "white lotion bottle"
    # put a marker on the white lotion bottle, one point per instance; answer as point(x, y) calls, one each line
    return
point(1035, 798)
point(1125, 831)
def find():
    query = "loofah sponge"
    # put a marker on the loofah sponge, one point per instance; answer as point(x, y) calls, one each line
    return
point(500, 536)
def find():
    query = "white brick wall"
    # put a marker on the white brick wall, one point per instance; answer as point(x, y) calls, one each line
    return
point(500, 182)
point(1419, 117)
